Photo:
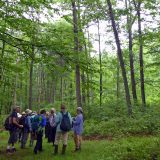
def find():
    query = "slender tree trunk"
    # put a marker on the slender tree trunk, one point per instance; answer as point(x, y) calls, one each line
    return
point(30, 80)
point(100, 66)
point(76, 48)
point(83, 88)
point(53, 92)
point(141, 56)
point(15, 88)
point(134, 93)
point(1, 61)
point(120, 56)
point(88, 76)
point(117, 81)
point(39, 84)
point(61, 90)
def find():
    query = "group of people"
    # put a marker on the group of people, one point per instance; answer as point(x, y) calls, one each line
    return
point(54, 125)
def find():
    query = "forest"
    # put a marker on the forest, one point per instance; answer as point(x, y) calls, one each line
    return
point(101, 55)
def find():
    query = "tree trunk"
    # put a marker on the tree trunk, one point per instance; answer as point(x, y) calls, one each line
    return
point(30, 80)
point(120, 57)
point(1, 61)
point(61, 90)
point(129, 23)
point(83, 89)
point(100, 67)
point(76, 48)
point(141, 56)
point(117, 92)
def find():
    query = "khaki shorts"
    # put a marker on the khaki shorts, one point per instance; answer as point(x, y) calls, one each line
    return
point(64, 137)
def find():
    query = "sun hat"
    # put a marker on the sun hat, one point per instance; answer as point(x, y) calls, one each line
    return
point(28, 111)
point(80, 109)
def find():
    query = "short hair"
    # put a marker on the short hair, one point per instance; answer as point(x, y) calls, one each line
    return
point(63, 106)
point(43, 111)
point(52, 110)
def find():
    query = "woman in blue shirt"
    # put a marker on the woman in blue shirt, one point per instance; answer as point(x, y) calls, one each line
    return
point(78, 128)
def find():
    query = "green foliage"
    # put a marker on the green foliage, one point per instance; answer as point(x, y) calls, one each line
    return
point(106, 123)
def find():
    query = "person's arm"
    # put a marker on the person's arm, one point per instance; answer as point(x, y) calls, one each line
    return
point(16, 123)
point(70, 118)
point(77, 121)
point(57, 118)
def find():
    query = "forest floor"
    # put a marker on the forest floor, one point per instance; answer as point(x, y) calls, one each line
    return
point(125, 148)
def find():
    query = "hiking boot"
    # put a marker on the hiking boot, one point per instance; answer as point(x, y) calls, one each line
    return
point(8, 151)
point(35, 151)
point(64, 149)
point(55, 149)
point(13, 150)
point(77, 149)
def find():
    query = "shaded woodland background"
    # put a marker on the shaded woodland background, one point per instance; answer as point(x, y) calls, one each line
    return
point(46, 55)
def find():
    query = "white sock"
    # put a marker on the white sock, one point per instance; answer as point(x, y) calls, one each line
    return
point(12, 147)
point(8, 147)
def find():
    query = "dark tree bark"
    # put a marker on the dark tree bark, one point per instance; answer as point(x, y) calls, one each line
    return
point(138, 9)
point(30, 80)
point(117, 92)
point(129, 23)
point(141, 56)
point(76, 48)
point(120, 57)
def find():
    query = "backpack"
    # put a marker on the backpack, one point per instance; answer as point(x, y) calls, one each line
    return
point(35, 121)
point(65, 123)
point(8, 123)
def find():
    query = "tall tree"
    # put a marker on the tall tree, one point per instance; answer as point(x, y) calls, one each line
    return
point(120, 57)
point(130, 22)
point(31, 79)
point(141, 63)
point(100, 65)
point(76, 49)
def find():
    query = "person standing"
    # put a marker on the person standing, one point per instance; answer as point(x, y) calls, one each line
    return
point(47, 125)
point(52, 126)
point(14, 130)
point(78, 128)
point(39, 131)
point(26, 121)
point(61, 118)
point(33, 132)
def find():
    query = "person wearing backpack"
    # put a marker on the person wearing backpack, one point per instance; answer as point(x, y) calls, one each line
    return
point(78, 129)
point(39, 131)
point(64, 124)
point(33, 126)
point(13, 131)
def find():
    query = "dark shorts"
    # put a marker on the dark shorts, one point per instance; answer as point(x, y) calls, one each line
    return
point(13, 136)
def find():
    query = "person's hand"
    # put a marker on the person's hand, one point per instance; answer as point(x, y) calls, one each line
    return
point(20, 126)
